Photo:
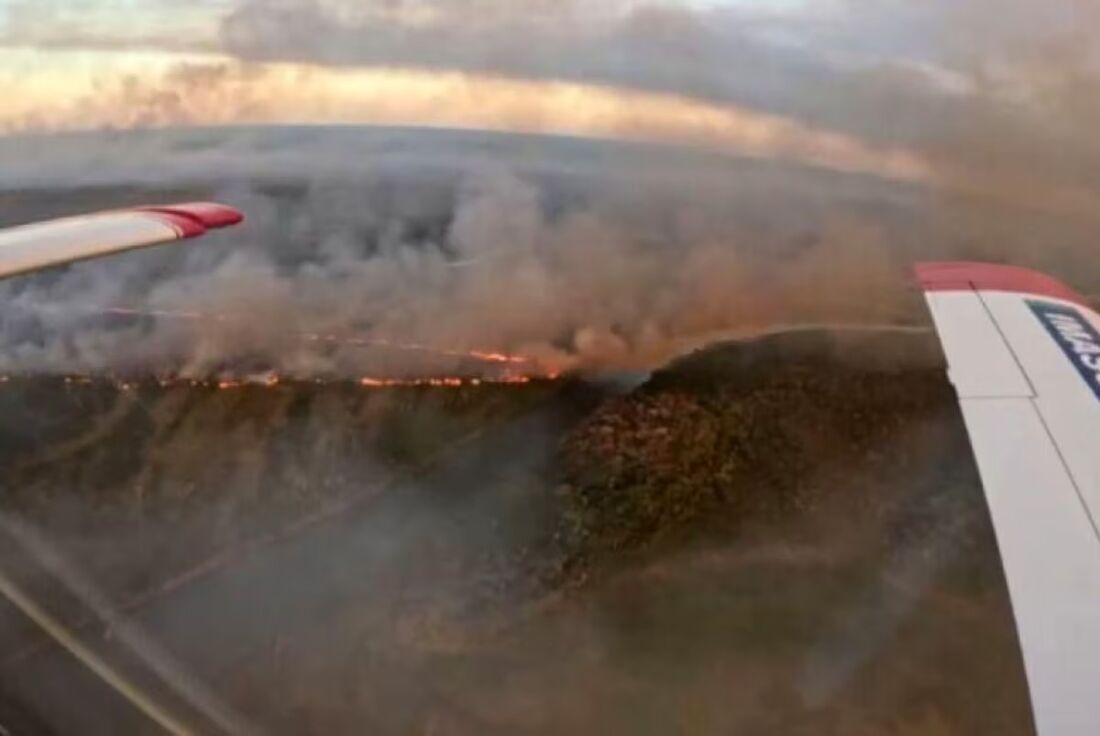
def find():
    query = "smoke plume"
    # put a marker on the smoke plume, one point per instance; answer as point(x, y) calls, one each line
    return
point(496, 262)
point(577, 255)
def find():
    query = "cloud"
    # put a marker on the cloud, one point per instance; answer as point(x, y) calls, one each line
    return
point(109, 24)
point(220, 93)
point(994, 96)
point(665, 47)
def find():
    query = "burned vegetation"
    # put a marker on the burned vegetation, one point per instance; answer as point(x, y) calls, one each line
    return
point(794, 518)
point(761, 431)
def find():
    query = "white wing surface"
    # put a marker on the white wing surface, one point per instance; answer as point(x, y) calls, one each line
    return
point(41, 245)
point(1023, 351)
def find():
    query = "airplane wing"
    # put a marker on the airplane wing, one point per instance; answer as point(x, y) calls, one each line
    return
point(41, 245)
point(32, 247)
point(1023, 353)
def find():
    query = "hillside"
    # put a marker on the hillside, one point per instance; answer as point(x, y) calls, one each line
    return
point(784, 535)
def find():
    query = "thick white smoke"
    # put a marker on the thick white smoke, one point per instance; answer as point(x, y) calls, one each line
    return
point(586, 268)
point(580, 254)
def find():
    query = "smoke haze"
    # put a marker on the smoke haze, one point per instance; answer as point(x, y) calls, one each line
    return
point(626, 183)
point(983, 99)
point(588, 269)
point(582, 255)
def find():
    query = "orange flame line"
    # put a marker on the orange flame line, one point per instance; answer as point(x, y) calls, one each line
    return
point(272, 380)
point(487, 356)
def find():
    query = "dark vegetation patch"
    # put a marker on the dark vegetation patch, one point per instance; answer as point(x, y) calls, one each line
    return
point(761, 431)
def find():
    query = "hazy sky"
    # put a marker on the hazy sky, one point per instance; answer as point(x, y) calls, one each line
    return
point(982, 94)
point(54, 51)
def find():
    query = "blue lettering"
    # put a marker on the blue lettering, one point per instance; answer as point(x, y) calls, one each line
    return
point(1075, 335)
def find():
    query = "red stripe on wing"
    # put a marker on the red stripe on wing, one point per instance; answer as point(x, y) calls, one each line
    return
point(192, 219)
point(961, 276)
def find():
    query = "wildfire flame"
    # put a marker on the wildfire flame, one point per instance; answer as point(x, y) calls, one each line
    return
point(510, 369)
point(272, 380)
point(485, 356)
point(481, 355)
point(444, 382)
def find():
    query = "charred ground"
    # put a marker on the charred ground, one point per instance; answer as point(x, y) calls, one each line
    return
point(784, 535)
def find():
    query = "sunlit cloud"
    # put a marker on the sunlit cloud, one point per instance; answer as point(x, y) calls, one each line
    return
point(146, 90)
point(161, 24)
point(990, 96)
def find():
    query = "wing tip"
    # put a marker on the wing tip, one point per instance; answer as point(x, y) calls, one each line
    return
point(192, 219)
point(966, 275)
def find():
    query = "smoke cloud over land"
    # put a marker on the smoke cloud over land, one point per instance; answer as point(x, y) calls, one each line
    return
point(794, 164)
point(578, 254)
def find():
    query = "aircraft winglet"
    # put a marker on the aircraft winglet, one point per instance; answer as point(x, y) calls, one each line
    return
point(41, 245)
